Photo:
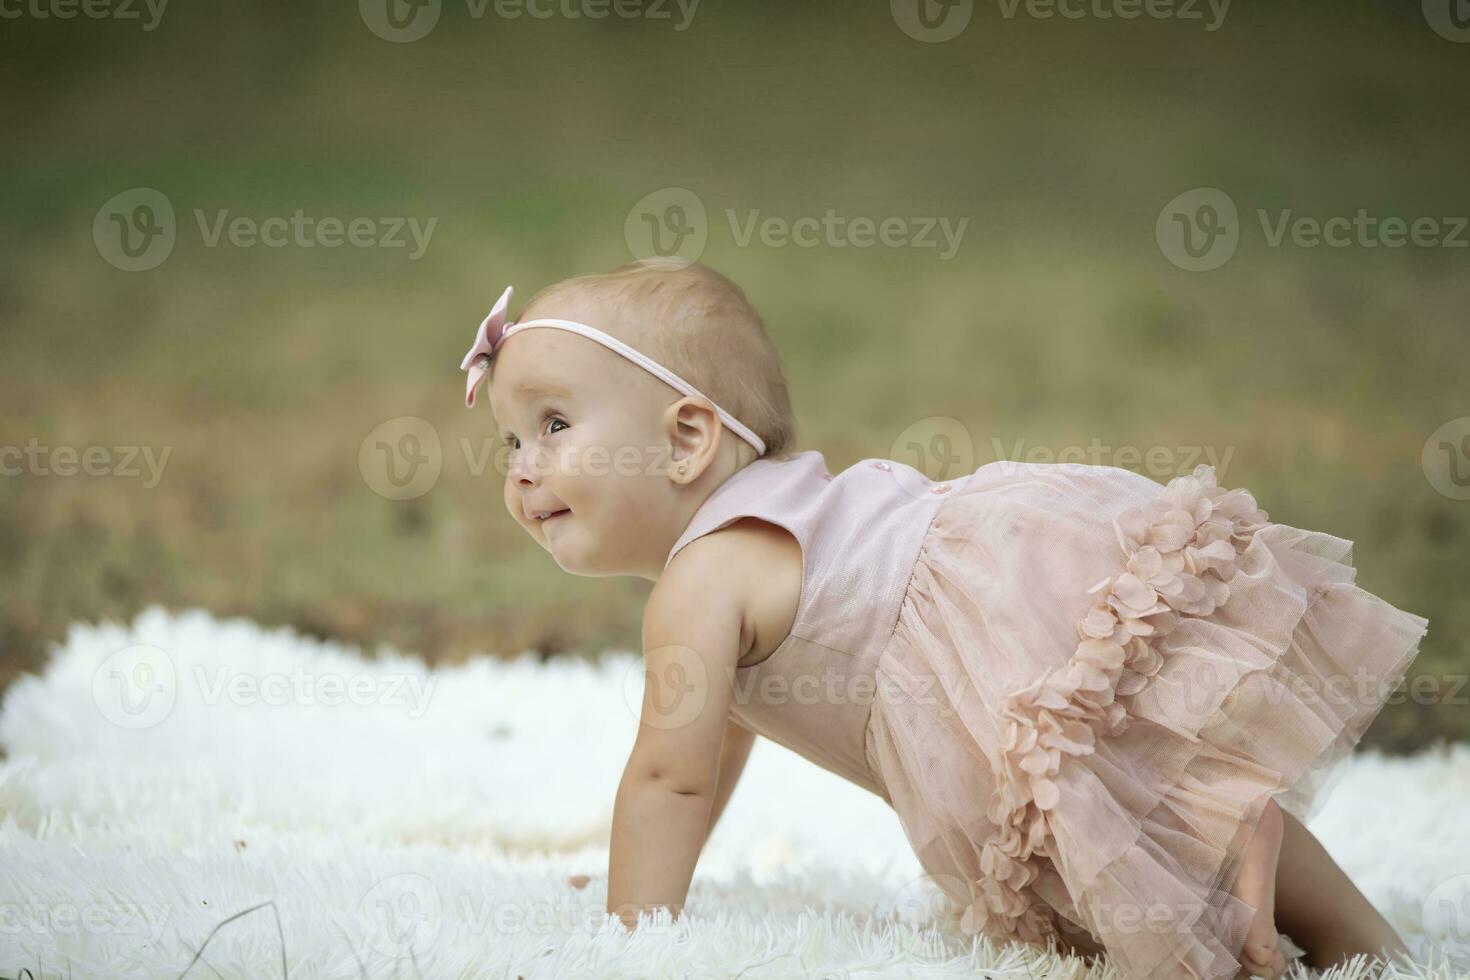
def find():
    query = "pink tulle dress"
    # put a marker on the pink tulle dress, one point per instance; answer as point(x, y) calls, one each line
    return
point(1078, 688)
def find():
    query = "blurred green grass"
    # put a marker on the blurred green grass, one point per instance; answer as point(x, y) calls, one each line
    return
point(1059, 321)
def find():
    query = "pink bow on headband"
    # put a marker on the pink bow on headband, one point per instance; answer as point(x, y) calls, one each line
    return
point(477, 361)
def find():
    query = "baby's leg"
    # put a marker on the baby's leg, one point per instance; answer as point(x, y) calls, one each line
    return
point(1320, 908)
point(1255, 883)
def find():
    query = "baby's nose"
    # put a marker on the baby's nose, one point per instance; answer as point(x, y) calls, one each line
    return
point(529, 467)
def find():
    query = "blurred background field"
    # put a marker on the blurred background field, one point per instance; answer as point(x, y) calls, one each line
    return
point(1321, 371)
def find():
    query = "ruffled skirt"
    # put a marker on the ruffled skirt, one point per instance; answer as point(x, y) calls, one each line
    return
point(1096, 684)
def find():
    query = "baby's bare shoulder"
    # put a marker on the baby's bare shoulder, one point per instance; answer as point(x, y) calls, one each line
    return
point(752, 568)
point(740, 557)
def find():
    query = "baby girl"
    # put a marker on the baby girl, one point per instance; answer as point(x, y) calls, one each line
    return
point(1102, 708)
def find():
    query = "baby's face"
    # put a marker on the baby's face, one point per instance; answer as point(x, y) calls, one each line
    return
point(583, 433)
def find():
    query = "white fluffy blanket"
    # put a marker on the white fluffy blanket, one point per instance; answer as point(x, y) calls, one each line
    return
point(384, 819)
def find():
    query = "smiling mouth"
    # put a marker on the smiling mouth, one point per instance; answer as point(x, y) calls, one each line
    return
point(551, 517)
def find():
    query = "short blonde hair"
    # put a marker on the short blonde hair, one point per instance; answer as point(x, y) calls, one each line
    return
point(695, 322)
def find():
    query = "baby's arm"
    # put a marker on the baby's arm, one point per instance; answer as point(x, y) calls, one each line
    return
point(661, 815)
point(736, 749)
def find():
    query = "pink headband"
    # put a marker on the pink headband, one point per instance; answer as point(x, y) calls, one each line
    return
point(494, 330)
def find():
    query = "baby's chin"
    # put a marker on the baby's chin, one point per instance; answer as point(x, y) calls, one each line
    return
point(576, 565)
point(575, 558)
point(565, 549)
point(576, 549)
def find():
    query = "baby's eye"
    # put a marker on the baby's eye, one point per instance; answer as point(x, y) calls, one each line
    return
point(515, 443)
